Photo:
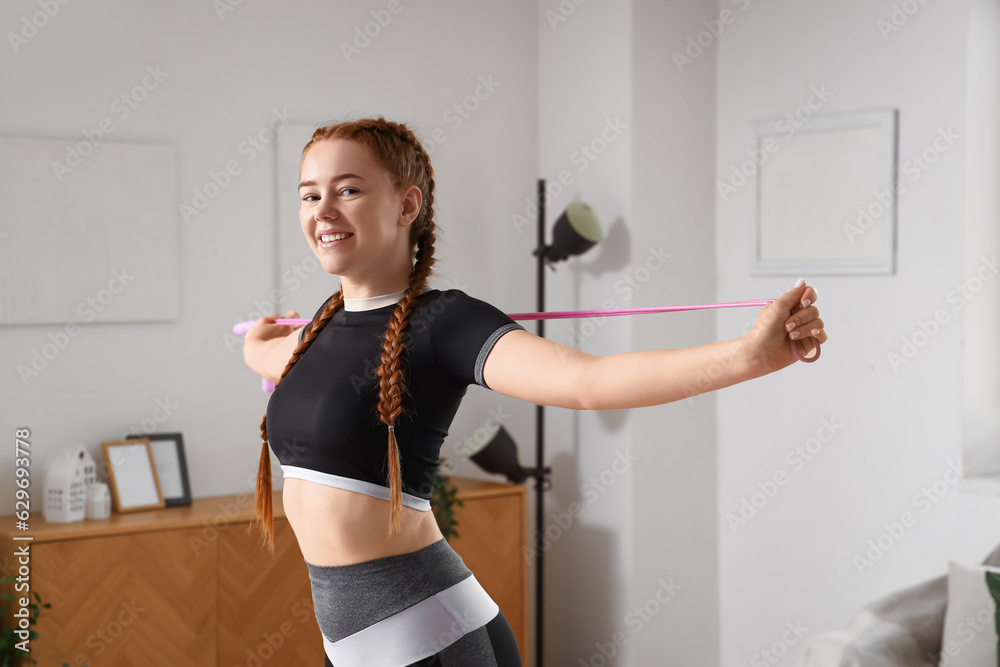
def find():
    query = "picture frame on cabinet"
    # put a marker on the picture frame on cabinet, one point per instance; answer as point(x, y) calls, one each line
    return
point(171, 466)
point(132, 473)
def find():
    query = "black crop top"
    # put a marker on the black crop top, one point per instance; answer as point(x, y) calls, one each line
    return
point(322, 419)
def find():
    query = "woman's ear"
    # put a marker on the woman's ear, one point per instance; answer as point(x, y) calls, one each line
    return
point(412, 201)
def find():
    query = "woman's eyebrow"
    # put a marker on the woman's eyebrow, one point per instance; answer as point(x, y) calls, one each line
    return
point(334, 180)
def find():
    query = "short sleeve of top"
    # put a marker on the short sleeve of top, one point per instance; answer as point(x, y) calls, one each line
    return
point(463, 330)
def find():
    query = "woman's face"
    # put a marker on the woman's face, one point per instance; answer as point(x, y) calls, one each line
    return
point(366, 206)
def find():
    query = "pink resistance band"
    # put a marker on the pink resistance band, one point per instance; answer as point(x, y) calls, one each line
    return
point(243, 327)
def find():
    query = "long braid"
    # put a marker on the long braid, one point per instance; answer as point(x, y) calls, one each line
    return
point(408, 163)
point(391, 386)
point(264, 513)
point(390, 371)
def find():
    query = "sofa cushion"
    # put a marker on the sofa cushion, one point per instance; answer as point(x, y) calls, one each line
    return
point(902, 629)
point(970, 623)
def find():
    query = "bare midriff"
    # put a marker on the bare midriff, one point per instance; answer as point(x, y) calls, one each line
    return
point(339, 527)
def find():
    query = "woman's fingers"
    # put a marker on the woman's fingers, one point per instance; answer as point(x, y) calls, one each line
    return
point(808, 297)
point(803, 323)
point(804, 326)
point(799, 317)
point(814, 329)
point(810, 328)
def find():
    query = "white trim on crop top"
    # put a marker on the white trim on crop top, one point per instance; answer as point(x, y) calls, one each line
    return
point(373, 302)
point(349, 483)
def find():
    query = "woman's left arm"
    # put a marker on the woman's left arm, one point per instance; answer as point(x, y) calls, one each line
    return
point(544, 372)
point(538, 370)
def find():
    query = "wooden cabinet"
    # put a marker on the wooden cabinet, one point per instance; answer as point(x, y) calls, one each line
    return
point(193, 586)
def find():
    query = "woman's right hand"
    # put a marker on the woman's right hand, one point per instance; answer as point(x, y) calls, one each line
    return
point(268, 361)
point(265, 329)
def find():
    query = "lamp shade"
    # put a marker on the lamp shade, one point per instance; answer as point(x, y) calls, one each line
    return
point(499, 456)
point(575, 232)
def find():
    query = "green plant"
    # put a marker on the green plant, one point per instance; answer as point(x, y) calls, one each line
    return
point(10, 655)
point(993, 586)
point(443, 500)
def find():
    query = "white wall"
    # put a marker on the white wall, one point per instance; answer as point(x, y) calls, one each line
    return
point(794, 561)
point(223, 79)
point(675, 505)
point(981, 388)
point(584, 100)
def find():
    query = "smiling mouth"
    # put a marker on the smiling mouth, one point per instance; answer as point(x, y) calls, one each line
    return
point(330, 240)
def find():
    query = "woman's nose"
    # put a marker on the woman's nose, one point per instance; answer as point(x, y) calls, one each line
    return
point(326, 210)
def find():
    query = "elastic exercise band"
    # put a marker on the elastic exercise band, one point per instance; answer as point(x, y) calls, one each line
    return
point(242, 328)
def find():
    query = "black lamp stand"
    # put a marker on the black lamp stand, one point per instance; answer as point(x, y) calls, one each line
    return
point(540, 472)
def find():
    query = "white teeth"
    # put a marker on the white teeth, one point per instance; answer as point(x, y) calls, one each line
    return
point(326, 238)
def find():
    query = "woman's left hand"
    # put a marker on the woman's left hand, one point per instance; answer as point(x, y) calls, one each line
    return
point(769, 343)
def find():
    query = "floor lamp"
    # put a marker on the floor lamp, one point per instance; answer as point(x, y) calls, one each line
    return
point(575, 232)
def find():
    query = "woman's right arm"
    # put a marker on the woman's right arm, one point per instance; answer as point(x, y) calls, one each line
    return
point(267, 347)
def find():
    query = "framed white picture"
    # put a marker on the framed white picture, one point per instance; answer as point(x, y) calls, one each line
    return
point(134, 484)
point(826, 195)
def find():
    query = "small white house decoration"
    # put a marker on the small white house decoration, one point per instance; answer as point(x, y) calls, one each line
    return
point(67, 478)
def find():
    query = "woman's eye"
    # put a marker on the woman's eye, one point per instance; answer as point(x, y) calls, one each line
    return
point(307, 197)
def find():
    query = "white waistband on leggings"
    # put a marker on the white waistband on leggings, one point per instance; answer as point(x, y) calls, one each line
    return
point(419, 631)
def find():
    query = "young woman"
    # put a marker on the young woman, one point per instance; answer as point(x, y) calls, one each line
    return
point(364, 396)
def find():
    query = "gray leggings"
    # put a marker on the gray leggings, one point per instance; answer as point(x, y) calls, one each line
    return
point(351, 598)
